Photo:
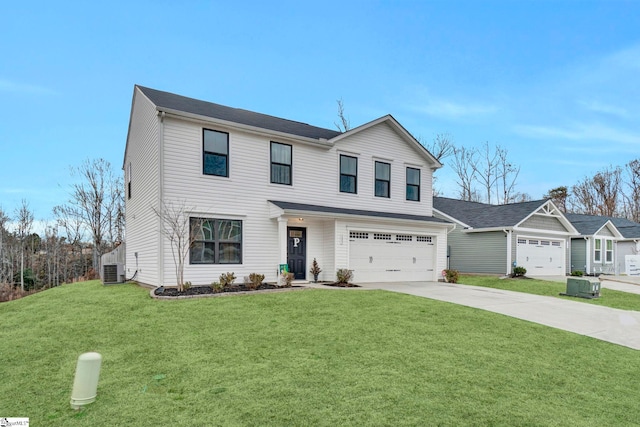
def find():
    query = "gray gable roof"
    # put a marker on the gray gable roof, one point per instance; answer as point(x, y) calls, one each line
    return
point(588, 225)
point(332, 210)
point(483, 215)
point(236, 115)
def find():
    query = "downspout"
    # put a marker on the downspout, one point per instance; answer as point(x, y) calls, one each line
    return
point(161, 114)
point(509, 249)
point(448, 255)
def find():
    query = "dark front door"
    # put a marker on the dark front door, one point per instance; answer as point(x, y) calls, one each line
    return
point(297, 252)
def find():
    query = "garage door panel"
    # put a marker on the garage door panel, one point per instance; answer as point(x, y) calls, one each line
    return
point(390, 257)
point(544, 257)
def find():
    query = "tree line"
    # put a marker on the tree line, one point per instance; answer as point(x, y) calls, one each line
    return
point(69, 246)
point(486, 174)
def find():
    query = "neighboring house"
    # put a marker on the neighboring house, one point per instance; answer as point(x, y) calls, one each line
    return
point(594, 251)
point(264, 191)
point(603, 243)
point(493, 239)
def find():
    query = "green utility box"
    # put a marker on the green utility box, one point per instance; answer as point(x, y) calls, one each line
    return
point(583, 288)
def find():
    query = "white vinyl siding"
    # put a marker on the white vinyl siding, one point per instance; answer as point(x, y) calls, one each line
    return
point(142, 226)
point(244, 194)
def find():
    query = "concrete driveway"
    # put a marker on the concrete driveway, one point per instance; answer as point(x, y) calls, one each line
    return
point(608, 324)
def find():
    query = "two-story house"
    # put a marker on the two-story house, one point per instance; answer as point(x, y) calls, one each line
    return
point(262, 191)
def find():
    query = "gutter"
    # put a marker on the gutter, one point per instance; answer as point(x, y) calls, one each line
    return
point(509, 235)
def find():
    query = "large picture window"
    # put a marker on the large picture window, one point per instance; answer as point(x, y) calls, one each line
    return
point(413, 184)
point(348, 174)
point(383, 179)
point(215, 155)
point(280, 163)
point(216, 241)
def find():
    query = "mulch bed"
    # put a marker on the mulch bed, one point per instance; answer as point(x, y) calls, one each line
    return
point(208, 290)
point(341, 285)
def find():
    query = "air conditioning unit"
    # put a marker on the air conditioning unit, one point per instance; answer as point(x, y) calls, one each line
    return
point(582, 288)
point(113, 273)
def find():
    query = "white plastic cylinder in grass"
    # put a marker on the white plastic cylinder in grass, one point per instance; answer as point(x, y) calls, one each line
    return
point(85, 384)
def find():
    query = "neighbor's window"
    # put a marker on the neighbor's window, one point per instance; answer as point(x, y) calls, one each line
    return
point(597, 254)
point(280, 163)
point(216, 241)
point(608, 255)
point(413, 184)
point(348, 174)
point(215, 156)
point(383, 179)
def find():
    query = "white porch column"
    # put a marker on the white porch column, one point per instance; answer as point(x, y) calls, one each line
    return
point(588, 262)
point(282, 240)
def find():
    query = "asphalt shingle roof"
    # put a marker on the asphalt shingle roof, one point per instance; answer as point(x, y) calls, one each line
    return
point(483, 215)
point(236, 115)
point(329, 209)
point(588, 225)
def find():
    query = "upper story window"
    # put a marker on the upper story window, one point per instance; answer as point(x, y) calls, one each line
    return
point(348, 174)
point(413, 184)
point(280, 163)
point(215, 155)
point(129, 180)
point(597, 253)
point(383, 179)
point(216, 241)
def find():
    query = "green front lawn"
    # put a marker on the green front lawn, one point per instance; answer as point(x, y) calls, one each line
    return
point(608, 297)
point(316, 357)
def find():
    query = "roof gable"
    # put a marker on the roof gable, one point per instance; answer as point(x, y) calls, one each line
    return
point(590, 225)
point(399, 130)
point(478, 215)
point(166, 101)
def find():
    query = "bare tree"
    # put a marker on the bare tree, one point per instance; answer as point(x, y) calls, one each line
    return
point(558, 196)
point(441, 147)
point(24, 222)
point(344, 124)
point(487, 169)
point(176, 225)
point(70, 220)
point(631, 197)
point(93, 200)
point(507, 174)
point(598, 195)
point(463, 165)
point(4, 259)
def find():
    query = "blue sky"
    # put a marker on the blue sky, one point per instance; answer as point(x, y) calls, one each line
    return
point(554, 82)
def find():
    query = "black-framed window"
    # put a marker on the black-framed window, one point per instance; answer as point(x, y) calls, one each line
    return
point(215, 241)
point(348, 174)
point(129, 180)
point(413, 184)
point(215, 152)
point(281, 160)
point(383, 179)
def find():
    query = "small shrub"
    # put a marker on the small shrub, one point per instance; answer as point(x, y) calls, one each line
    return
point(227, 279)
point(315, 270)
point(287, 278)
point(217, 287)
point(344, 275)
point(186, 286)
point(519, 271)
point(254, 280)
point(577, 273)
point(451, 276)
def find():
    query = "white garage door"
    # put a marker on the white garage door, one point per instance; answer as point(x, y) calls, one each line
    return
point(389, 257)
point(541, 257)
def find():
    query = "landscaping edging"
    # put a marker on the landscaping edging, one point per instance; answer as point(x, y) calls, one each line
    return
point(225, 294)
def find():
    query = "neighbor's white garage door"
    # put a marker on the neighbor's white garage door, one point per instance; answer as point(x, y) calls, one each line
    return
point(389, 257)
point(541, 257)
